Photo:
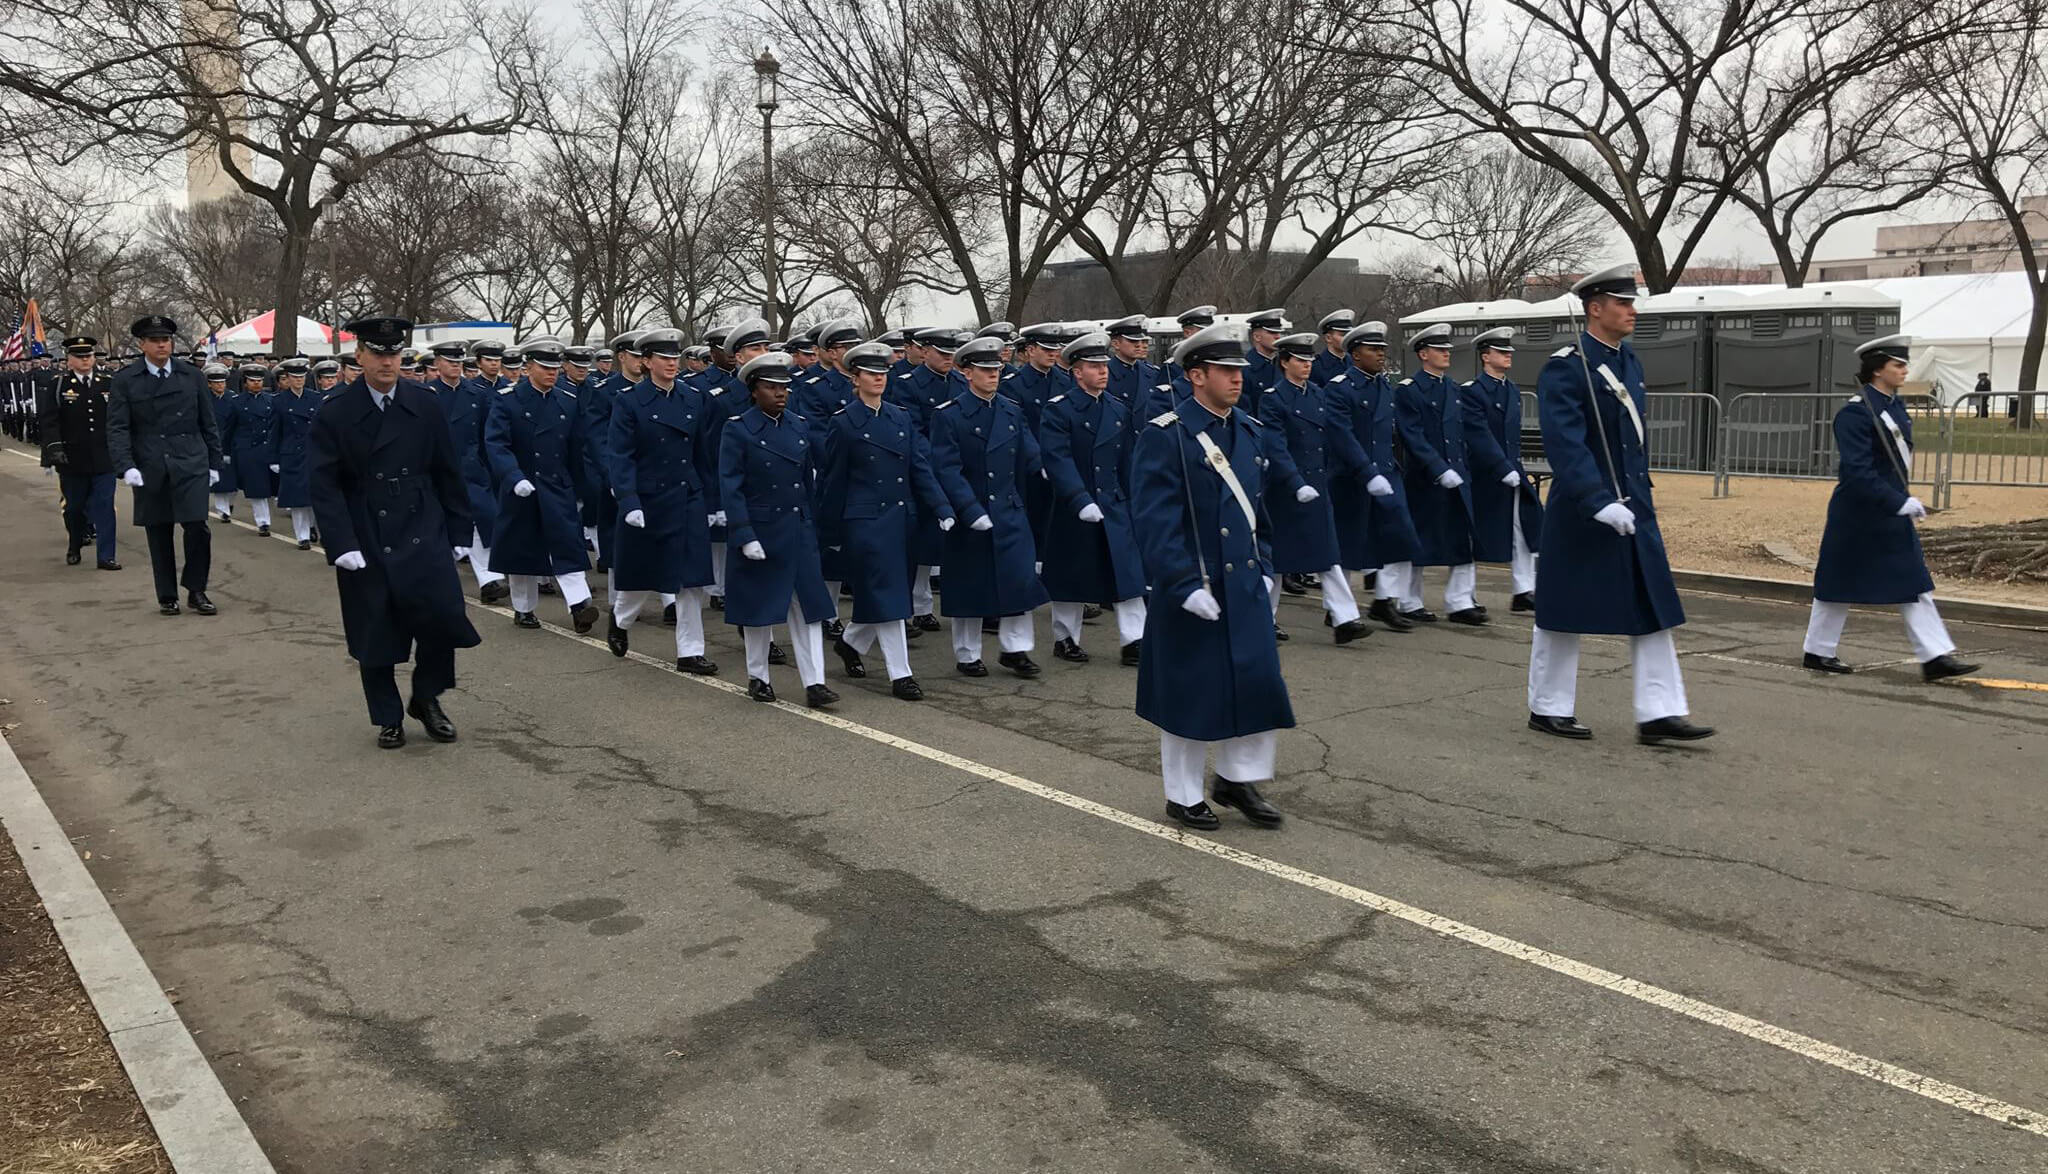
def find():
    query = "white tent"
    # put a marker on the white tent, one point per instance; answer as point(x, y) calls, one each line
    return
point(254, 336)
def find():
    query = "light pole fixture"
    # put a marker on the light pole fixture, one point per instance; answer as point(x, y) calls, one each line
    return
point(767, 92)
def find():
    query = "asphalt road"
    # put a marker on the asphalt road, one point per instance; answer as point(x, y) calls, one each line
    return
point(634, 922)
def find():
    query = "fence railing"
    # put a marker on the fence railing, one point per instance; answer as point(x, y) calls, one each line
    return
point(1994, 438)
point(1682, 431)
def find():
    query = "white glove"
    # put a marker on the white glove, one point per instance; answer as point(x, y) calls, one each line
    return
point(1038, 568)
point(636, 519)
point(1450, 479)
point(984, 523)
point(1091, 512)
point(134, 477)
point(753, 551)
point(273, 468)
point(718, 519)
point(462, 552)
point(945, 524)
point(49, 470)
point(352, 561)
point(1379, 486)
point(523, 489)
point(1512, 479)
point(212, 478)
point(1912, 509)
point(227, 460)
point(1201, 603)
point(1618, 516)
point(1306, 494)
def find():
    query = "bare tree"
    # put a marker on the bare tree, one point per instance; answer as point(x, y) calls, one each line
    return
point(218, 259)
point(408, 236)
point(700, 243)
point(68, 251)
point(1499, 219)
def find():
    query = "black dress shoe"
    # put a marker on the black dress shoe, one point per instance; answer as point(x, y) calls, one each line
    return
point(1384, 611)
point(819, 696)
point(1563, 727)
point(584, 617)
point(907, 689)
point(200, 604)
point(990, 625)
point(305, 544)
point(717, 603)
point(1246, 798)
point(167, 607)
point(1198, 817)
point(1069, 650)
point(1020, 663)
point(71, 558)
point(615, 637)
point(1294, 584)
point(668, 613)
point(525, 619)
point(855, 667)
point(776, 655)
point(1350, 630)
point(547, 587)
point(390, 737)
point(1523, 601)
point(702, 666)
point(972, 668)
point(314, 533)
point(925, 623)
point(428, 713)
point(604, 566)
point(1280, 634)
point(911, 631)
point(1470, 616)
point(834, 629)
point(1420, 615)
point(1945, 666)
point(493, 591)
point(1826, 664)
point(1132, 651)
point(760, 690)
point(1092, 611)
point(1329, 621)
point(263, 531)
point(1671, 729)
point(107, 564)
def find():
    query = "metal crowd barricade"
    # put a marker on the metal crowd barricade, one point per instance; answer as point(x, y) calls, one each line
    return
point(1681, 430)
point(1993, 438)
point(1792, 437)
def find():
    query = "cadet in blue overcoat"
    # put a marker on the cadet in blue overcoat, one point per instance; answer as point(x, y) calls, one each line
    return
point(248, 445)
point(875, 478)
point(1090, 550)
point(1316, 429)
point(393, 509)
point(1507, 515)
point(223, 487)
point(467, 408)
point(1604, 566)
point(921, 392)
point(1374, 530)
point(534, 442)
point(1130, 375)
point(1870, 552)
point(594, 394)
point(291, 423)
point(725, 401)
point(1331, 359)
point(1261, 372)
point(1033, 383)
point(766, 463)
point(828, 389)
point(1211, 670)
point(1431, 427)
point(984, 454)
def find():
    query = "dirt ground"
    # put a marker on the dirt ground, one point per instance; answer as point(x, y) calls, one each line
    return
point(65, 1103)
point(1727, 535)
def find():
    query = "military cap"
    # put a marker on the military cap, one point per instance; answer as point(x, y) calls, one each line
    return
point(327, 367)
point(981, 351)
point(215, 373)
point(545, 351)
point(1132, 327)
point(1221, 344)
point(1002, 330)
point(1197, 316)
point(803, 344)
point(752, 332)
point(1891, 346)
point(408, 354)
point(1046, 334)
point(772, 367)
point(893, 339)
point(1435, 334)
point(468, 364)
point(780, 348)
point(876, 356)
point(1616, 282)
point(580, 355)
point(80, 344)
point(1089, 348)
point(224, 353)
point(1365, 334)
point(628, 342)
point(666, 343)
point(197, 357)
point(248, 371)
point(1500, 338)
point(1297, 346)
point(1336, 320)
point(153, 326)
point(1274, 320)
point(514, 357)
point(700, 353)
point(296, 365)
point(836, 333)
point(486, 349)
point(349, 362)
point(941, 339)
point(602, 353)
point(715, 338)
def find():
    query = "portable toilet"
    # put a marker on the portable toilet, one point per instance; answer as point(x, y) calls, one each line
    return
point(1782, 363)
point(1467, 321)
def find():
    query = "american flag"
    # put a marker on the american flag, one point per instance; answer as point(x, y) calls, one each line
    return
point(17, 341)
point(26, 337)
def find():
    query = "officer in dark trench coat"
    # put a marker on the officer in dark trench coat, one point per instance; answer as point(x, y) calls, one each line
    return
point(391, 505)
point(162, 434)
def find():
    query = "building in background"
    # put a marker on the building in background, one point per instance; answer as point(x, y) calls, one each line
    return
point(1072, 290)
point(1952, 246)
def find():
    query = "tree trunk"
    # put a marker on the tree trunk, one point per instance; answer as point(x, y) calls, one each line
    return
point(291, 280)
point(2037, 330)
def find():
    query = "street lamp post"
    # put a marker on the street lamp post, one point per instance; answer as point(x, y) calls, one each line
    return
point(766, 91)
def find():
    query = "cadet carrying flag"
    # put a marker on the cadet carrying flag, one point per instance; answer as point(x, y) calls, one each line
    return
point(27, 337)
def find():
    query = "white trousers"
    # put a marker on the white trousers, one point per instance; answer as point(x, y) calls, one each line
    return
point(1391, 581)
point(689, 615)
point(259, 509)
point(1522, 560)
point(223, 503)
point(806, 643)
point(1338, 598)
point(590, 537)
point(526, 590)
point(894, 640)
point(921, 592)
point(1923, 627)
point(1244, 759)
point(1130, 620)
point(480, 559)
point(1554, 675)
point(1461, 589)
point(1015, 633)
point(718, 569)
point(302, 522)
point(832, 590)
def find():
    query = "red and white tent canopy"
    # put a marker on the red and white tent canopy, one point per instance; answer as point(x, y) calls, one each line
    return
point(259, 333)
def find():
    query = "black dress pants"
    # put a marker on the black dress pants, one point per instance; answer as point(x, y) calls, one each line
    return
point(163, 558)
point(433, 673)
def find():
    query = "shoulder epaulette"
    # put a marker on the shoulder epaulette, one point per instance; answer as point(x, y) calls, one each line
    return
point(942, 407)
point(1162, 387)
point(1334, 379)
point(1468, 383)
point(1407, 381)
point(1559, 354)
point(1009, 374)
point(1248, 418)
point(1165, 418)
point(570, 394)
point(507, 390)
point(1057, 398)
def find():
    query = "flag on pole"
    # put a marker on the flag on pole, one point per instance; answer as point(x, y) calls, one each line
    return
point(32, 329)
point(212, 345)
point(17, 344)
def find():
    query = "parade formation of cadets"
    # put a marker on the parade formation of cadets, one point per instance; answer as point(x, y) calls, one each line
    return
point(991, 471)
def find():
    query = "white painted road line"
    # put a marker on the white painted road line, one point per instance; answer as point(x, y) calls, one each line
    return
point(1799, 1044)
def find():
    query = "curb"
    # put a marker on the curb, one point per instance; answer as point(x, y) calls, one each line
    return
point(194, 1118)
point(1975, 611)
